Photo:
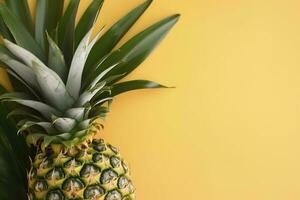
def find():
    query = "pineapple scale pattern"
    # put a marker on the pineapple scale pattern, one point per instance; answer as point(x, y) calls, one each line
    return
point(96, 172)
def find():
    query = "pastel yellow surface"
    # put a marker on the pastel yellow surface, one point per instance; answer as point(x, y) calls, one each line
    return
point(230, 130)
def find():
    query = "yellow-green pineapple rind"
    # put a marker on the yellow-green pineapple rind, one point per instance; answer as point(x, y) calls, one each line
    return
point(93, 172)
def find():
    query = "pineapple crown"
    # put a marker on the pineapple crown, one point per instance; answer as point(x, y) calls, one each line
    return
point(63, 80)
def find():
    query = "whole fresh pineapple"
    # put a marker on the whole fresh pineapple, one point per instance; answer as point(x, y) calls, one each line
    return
point(64, 82)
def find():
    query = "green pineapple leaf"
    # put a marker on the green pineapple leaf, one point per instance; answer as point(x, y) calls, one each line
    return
point(66, 30)
point(102, 75)
point(41, 22)
point(4, 31)
point(44, 109)
point(52, 87)
point(137, 49)
point(25, 86)
point(48, 14)
point(64, 125)
point(55, 12)
point(89, 94)
point(21, 10)
point(13, 181)
point(24, 112)
point(10, 95)
point(56, 60)
point(76, 113)
point(102, 101)
point(87, 20)
point(20, 33)
point(110, 39)
point(77, 65)
point(14, 159)
point(5, 50)
point(100, 111)
point(26, 124)
point(127, 86)
point(21, 70)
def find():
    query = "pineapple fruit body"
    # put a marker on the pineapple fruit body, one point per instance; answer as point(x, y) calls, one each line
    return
point(94, 171)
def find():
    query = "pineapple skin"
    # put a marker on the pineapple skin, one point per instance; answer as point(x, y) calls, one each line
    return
point(94, 171)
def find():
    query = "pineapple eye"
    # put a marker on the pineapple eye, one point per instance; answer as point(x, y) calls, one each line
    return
point(72, 163)
point(46, 164)
point(73, 184)
point(97, 157)
point(98, 141)
point(114, 149)
point(115, 161)
point(100, 147)
point(123, 182)
point(89, 170)
point(113, 195)
point(55, 174)
point(93, 192)
point(83, 155)
point(40, 186)
point(107, 176)
point(55, 195)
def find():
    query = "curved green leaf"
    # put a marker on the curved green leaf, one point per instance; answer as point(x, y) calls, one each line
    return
point(137, 49)
point(101, 101)
point(133, 85)
point(53, 88)
point(24, 112)
point(47, 126)
point(41, 22)
point(99, 111)
point(4, 31)
point(21, 10)
point(46, 110)
point(5, 50)
point(66, 30)
point(48, 14)
point(21, 35)
point(25, 85)
point(14, 159)
point(85, 124)
point(11, 95)
point(102, 74)
point(64, 125)
point(34, 138)
point(56, 60)
point(21, 70)
point(110, 39)
point(88, 95)
point(55, 12)
point(13, 184)
point(76, 113)
point(87, 20)
point(77, 65)
point(51, 85)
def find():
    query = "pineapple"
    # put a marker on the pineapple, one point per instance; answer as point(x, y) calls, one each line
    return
point(64, 83)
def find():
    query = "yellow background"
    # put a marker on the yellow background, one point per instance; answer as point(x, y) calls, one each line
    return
point(230, 130)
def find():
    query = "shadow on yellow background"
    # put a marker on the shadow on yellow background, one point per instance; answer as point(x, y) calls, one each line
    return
point(230, 130)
